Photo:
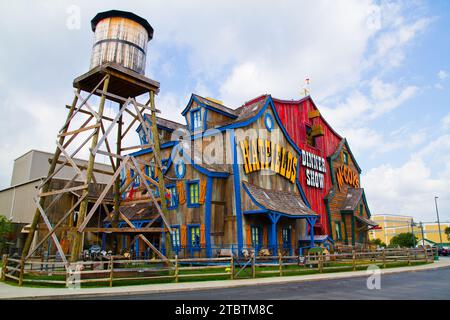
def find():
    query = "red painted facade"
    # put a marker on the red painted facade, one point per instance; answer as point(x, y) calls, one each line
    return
point(295, 117)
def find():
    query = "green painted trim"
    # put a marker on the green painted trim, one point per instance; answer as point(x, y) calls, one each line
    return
point(365, 203)
point(327, 208)
point(343, 143)
point(330, 164)
point(353, 230)
point(345, 228)
point(339, 223)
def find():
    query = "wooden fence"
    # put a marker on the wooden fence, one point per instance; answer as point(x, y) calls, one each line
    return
point(110, 270)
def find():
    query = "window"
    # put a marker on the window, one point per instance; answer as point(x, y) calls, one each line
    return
point(143, 136)
point(309, 137)
point(175, 237)
point(338, 230)
point(193, 193)
point(194, 237)
point(180, 169)
point(268, 121)
point(256, 236)
point(172, 201)
point(196, 118)
point(345, 157)
point(135, 178)
point(286, 234)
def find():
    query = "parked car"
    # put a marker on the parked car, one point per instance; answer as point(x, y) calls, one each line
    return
point(444, 251)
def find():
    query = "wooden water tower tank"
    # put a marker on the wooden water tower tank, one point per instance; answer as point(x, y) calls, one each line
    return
point(120, 37)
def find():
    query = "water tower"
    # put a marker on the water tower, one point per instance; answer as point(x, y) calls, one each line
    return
point(117, 74)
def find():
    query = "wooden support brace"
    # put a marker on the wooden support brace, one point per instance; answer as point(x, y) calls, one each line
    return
point(55, 192)
point(102, 195)
point(54, 237)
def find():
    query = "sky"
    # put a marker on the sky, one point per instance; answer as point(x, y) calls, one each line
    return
point(379, 72)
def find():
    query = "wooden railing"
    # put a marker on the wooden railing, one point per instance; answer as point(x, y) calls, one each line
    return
point(110, 270)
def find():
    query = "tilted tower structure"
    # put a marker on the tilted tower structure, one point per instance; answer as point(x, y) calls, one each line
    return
point(117, 74)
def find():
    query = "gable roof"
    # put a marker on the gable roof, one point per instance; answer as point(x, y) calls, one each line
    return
point(352, 198)
point(163, 123)
point(308, 98)
point(209, 104)
point(338, 151)
point(284, 202)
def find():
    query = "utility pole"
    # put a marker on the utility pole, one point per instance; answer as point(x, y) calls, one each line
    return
point(439, 223)
point(412, 231)
point(423, 236)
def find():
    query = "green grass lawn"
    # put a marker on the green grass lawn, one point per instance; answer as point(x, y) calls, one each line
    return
point(261, 272)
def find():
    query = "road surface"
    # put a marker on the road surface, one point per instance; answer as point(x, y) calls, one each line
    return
point(429, 284)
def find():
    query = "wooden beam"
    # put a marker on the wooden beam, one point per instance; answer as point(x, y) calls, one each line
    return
point(83, 167)
point(88, 113)
point(124, 230)
point(102, 195)
point(55, 192)
point(114, 96)
point(69, 133)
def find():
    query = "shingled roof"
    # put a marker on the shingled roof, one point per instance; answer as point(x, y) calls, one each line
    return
point(366, 221)
point(136, 211)
point(165, 122)
point(215, 104)
point(352, 199)
point(284, 202)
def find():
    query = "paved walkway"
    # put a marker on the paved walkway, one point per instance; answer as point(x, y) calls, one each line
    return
point(14, 292)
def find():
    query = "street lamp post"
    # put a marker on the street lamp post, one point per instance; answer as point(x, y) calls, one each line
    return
point(439, 223)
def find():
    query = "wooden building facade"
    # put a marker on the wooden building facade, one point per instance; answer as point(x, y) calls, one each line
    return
point(269, 176)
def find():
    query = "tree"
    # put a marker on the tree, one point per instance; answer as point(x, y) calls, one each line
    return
point(447, 232)
point(405, 240)
point(5, 229)
point(377, 242)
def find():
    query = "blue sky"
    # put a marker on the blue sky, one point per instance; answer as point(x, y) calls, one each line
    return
point(379, 70)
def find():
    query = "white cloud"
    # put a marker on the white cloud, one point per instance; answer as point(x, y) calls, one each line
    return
point(446, 121)
point(408, 189)
point(442, 75)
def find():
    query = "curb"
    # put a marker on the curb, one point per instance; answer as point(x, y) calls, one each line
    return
point(234, 284)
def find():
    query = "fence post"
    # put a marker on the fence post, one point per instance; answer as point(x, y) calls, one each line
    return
point(176, 268)
point(111, 270)
point(426, 253)
point(354, 259)
point(4, 266)
point(320, 262)
point(409, 256)
point(280, 263)
point(384, 258)
point(253, 265)
point(22, 269)
point(232, 266)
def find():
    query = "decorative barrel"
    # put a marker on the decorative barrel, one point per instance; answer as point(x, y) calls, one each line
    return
point(120, 37)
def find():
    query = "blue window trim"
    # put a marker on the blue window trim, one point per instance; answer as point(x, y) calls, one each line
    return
point(135, 178)
point(193, 98)
point(189, 242)
point(260, 235)
point(176, 247)
point(289, 240)
point(169, 207)
point(183, 166)
point(272, 122)
point(193, 112)
point(188, 183)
